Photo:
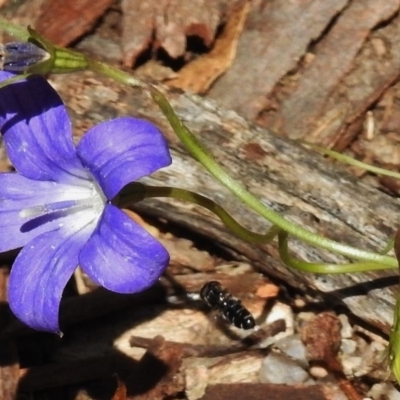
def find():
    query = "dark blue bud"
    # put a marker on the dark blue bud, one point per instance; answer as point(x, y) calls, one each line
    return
point(18, 56)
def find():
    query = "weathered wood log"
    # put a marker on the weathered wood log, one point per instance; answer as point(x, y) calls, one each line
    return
point(321, 196)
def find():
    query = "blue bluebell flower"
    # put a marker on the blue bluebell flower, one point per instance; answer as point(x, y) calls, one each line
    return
point(57, 205)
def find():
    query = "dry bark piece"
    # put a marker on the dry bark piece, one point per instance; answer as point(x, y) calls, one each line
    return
point(276, 36)
point(169, 22)
point(64, 21)
point(334, 57)
point(198, 75)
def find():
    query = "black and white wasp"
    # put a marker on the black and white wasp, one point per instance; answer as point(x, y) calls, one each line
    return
point(229, 307)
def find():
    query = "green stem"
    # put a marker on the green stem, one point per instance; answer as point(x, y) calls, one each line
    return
point(202, 155)
point(350, 160)
point(14, 30)
point(115, 73)
point(321, 268)
point(137, 191)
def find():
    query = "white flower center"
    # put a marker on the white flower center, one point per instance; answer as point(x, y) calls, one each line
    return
point(66, 199)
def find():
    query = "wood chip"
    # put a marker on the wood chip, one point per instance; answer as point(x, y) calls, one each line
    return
point(166, 24)
point(199, 75)
point(62, 22)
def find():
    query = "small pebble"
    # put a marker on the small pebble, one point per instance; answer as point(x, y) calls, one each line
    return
point(318, 372)
point(348, 346)
point(300, 303)
point(280, 369)
point(294, 348)
point(351, 365)
point(346, 331)
point(384, 390)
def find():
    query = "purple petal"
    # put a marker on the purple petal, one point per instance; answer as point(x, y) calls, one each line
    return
point(39, 275)
point(121, 255)
point(18, 193)
point(37, 130)
point(123, 150)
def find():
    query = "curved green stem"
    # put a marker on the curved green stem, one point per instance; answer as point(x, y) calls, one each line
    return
point(136, 191)
point(202, 155)
point(321, 268)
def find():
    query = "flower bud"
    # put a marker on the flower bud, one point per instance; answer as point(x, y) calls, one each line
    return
point(39, 56)
point(19, 56)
